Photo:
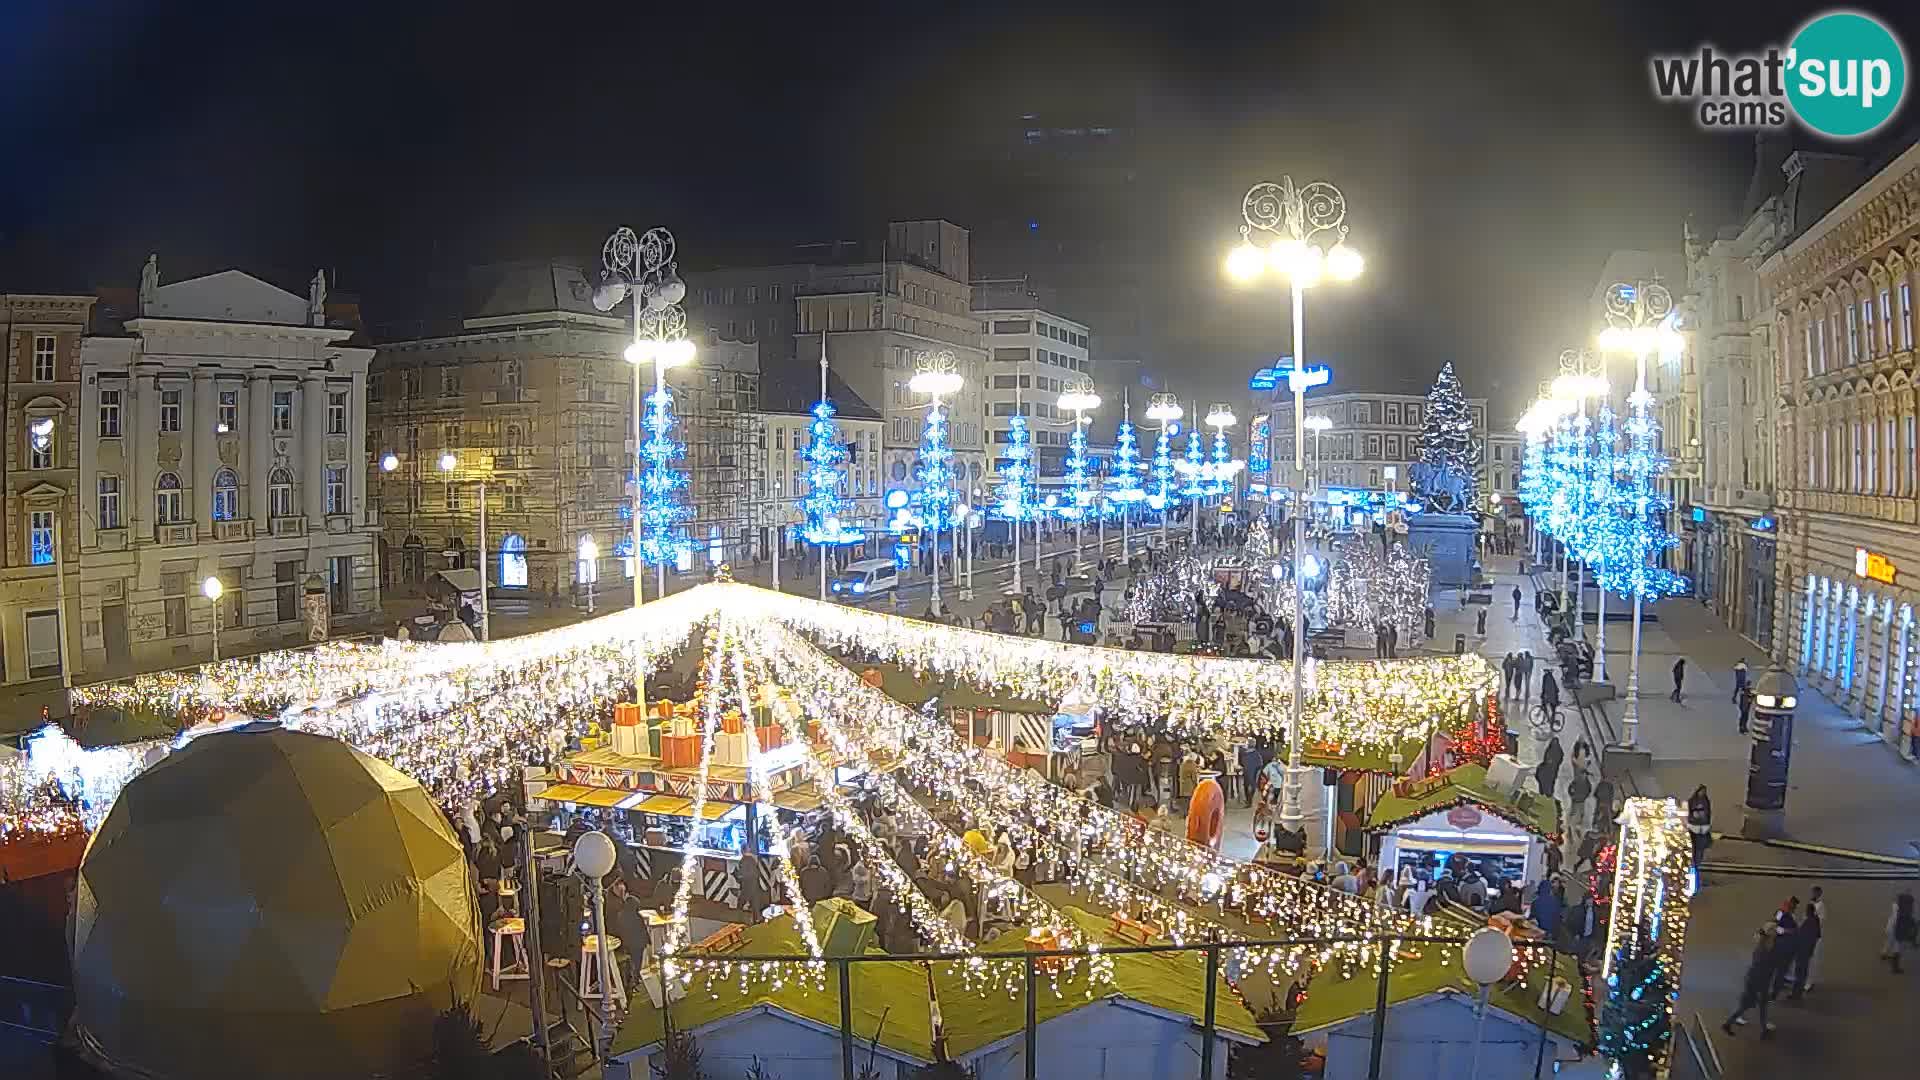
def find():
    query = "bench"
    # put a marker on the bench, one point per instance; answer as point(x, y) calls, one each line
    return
point(1138, 933)
point(725, 940)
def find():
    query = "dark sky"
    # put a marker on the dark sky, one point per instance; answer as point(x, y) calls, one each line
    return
point(1491, 154)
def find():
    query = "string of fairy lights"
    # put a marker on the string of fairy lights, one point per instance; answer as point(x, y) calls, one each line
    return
point(1653, 885)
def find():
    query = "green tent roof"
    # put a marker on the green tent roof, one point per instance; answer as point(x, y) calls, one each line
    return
point(913, 690)
point(1466, 784)
point(897, 990)
point(1334, 998)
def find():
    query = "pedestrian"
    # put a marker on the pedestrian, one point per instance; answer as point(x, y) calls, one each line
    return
point(1754, 988)
point(1679, 678)
point(1700, 825)
point(1549, 693)
point(1250, 765)
point(1579, 790)
point(1510, 674)
point(1429, 622)
point(1745, 701)
point(1739, 679)
point(1547, 906)
point(1901, 930)
point(1526, 674)
point(1786, 941)
point(1480, 623)
point(1516, 604)
point(1603, 798)
point(1812, 922)
point(1547, 774)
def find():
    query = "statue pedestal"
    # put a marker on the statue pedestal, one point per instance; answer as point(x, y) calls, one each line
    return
point(1447, 541)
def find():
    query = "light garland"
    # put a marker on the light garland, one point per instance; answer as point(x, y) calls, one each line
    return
point(690, 849)
point(1646, 936)
point(1163, 470)
point(1127, 468)
point(1194, 468)
point(1016, 473)
point(661, 509)
point(935, 497)
point(826, 469)
point(1077, 464)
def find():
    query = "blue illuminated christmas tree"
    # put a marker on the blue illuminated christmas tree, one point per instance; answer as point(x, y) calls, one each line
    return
point(1258, 464)
point(824, 462)
point(1220, 470)
point(1602, 536)
point(935, 499)
point(1077, 464)
point(1016, 473)
point(1163, 470)
point(1644, 537)
point(661, 509)
point(1194, 467)
point(1127, 469)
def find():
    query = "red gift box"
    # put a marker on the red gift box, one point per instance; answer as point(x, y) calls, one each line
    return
point(770, 736)
point(680, 751)
point(730, 722)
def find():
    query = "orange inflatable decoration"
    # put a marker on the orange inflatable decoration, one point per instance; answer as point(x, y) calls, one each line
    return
point(1207, 814)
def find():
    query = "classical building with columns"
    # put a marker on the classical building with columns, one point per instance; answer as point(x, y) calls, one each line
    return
point(223, 433)
point(1842, 307)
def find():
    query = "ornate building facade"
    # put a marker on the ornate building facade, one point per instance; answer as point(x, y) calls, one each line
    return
point(1842, 308)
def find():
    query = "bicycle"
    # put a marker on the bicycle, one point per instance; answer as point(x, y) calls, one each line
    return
point(1546, 721)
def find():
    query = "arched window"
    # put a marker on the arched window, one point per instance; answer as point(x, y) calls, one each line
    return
point(280, 494)
point(510, 375)
point(513, 438)
point(513, 562)
point(166, 500)
point(226, 495)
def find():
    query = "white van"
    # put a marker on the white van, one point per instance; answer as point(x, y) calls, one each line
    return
point(868, 577)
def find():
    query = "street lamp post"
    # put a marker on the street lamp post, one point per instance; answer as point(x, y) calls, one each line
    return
point(447, 464)
point(1165, 411)
point(594, 856)
point(1296, 222)
point(936, 375)
point(1079, 399)
point(1640, 315)
point(212, 590)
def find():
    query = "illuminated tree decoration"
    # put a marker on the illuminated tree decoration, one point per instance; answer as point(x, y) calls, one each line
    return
point(1163, 471)
point(1259, 465)
point(1016, 473)
point(1077, 464)
point(1602, 536)
point(1642, 537)
point(1194, 467)
point(1220, 470)
point(661, 509)
point(1127, 468)
point(1447, 440)
point(935, 500)
point(825, 464)
point(1534, 483)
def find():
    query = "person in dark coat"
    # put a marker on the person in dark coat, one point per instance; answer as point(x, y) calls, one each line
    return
point(1549, 692)
point(1756, 988)
point(1516, 604)
point(1547, 774)
point(1250, 766)
point(1700, 823)
point(1744, 699)
point(1679, 677)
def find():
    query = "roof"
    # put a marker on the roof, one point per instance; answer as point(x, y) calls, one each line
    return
point(915, 690)
point(896, 992)
point(1463, 785)
point(788, 393)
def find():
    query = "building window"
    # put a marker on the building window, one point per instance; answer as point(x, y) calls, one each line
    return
point(336, 490)
point(280, 494)
point(44, 346)
point(169, 410)
point(283, 410)
point(1866, 326)
point(1819, 361)
point(166, 500)
point(1811, 323)
point(1853, 334)
point(176, 612)
point(450, 435)
point(229, 420)
point(1362, 414)
point(453, 496)
point(286, 591)
point(40, 442)
point(226, 495)
point(107, 506)
point(773, 293)
point(340, 583)
point(1393, 413)
point(337, 413)
point(410, 382)
point(109, 414)
point(40, 537)
point(1906, 316)
point(510, 374)
point(1888, 341)
point(449, 381)
point(43, 644)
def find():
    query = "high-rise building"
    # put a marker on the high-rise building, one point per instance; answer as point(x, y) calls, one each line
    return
point(1033, 354)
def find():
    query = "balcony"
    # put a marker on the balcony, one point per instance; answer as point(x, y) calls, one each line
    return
point(111, 539)
point(509, 461)
point(288, 526)
point(174, 533)
point(339, 524)
point(241, 529)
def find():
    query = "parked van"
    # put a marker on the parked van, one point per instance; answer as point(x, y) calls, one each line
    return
point(868, 577)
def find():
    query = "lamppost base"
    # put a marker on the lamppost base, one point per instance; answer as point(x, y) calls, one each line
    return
point(1763, 824)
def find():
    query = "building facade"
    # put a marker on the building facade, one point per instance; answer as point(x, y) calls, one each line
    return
point(42, 340)
point(1841, 301)
point(787, 407)
point(531, 396)
point(1033, 354)
point(1374, 440)
point(222, 433)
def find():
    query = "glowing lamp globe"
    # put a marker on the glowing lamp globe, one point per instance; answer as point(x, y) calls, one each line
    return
point(389, 462)
point(593, 854)
point(1344, 263)
point(448, 461)
point(1319, 423)
point(1245, 263)
point(934, 383)
point(1488, 956)
point(673, 291)
point(212, 589)
point(1221, 417)
point(1079, 401)
point(608, 294)
point(677, 353)
point(640, 351)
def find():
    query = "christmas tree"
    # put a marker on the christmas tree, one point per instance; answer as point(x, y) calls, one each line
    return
point(1259, 542)
point(1077, 463)
point(825, 463)
point(1602, 537)
point(1163, 471)
point(661, 510)
point(1194, 467)
point(1447, 442)
point(1016, 473)
point(1127, 468)
point(1642, 536)
point(936, 497)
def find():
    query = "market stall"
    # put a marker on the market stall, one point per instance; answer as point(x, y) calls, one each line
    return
point(1458, 812)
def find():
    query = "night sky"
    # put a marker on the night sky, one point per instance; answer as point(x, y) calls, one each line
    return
point(1491, 154)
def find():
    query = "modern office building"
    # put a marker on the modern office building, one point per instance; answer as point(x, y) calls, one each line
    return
point(1033, 354)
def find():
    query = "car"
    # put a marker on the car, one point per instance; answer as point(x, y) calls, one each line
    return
point(868, 577)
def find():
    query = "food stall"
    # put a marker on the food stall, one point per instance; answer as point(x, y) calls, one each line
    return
point(1459, 812)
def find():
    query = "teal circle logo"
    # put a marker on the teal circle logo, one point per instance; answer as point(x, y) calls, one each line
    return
point(1847, 74)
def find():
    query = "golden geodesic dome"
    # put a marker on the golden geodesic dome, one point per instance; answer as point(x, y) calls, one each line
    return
point(271, 903)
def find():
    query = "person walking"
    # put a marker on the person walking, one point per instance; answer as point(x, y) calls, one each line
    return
point(1526, 674)
point(1739, 679)
point(1516, 604)
point(1480, 623)
point(1250, 765)
point(1700, 825)
point(1901, 931)
point(1549, 693)
point(1745, 700)
point(1807, 944)
point(1679, 678)
point(1786, 942)
point(1509, 674)
point(1579, 790)
point(1547, 774)
point(1754, 988)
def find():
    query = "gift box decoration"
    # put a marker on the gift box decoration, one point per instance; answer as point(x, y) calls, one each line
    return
point(654, 732)
point(770, 736)
point(681, 726)
point(730, 722)
point(730, 748)
point(662, 709)
point(680, 751)
point(626, 714)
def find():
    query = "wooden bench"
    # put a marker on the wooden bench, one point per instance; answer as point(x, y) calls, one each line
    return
point(724, 941)
point(1139, 933)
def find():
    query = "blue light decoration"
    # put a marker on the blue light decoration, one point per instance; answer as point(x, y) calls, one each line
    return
point(1602, 538)
point(825, 464)
point(1535, 487)
point(1194, 467)
point(1128, 470)
point(1163, 469)
point(1643, 535)
point(1077, 464)
point(1016, 473)
point(1220, 469)
point(661, 508)
point(934, 501)
point(1259, 465)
